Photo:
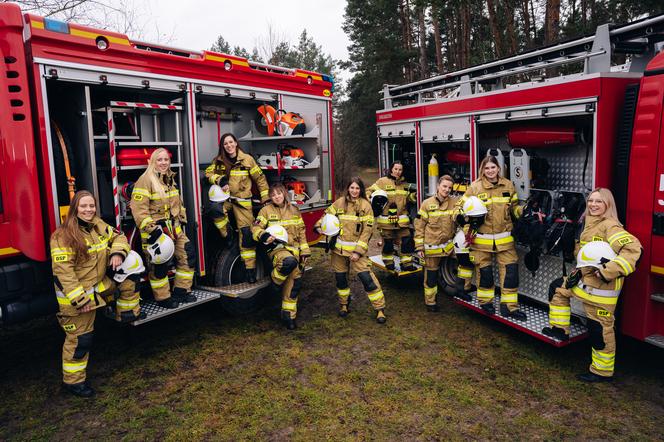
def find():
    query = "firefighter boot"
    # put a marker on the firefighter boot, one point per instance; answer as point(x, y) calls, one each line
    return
point(81, 389)
point(288, 321)
point(516, 314)
point(380, 317)
point(169, 303)
point(251, 276)
point(555, 333)
point(181, 296)
point(488, 308)
point(433, 308)
point(344, 310)
point(592, 377)
point(459, 285)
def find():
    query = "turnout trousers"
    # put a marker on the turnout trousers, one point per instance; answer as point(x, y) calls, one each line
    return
point(286, 274)
point(342, 265)
point(508, 271)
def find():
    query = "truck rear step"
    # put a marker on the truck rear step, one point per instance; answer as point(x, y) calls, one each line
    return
point(377, 261)
point(538, 318)
point(657, 340)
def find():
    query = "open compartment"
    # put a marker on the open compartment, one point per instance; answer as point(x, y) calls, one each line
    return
point(452, 158)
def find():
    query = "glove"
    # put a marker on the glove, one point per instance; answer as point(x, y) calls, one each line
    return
point(81, 300)
point(264, 237)
point(154, 236)
point(573, 279)
point(461, 219)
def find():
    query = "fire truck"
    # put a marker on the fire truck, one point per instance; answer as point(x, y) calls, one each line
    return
point(562, 120)
point(84, 108)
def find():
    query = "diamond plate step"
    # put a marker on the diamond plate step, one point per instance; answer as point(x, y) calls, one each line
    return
point(657, 297)
point(538, 318)
point(377, 261)
point(657, 340)
point(241, 290)
point(155, 311)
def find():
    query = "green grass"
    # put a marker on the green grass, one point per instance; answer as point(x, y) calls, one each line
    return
point(201, 375)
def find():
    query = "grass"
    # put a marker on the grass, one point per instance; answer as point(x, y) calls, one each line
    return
point(200, 375)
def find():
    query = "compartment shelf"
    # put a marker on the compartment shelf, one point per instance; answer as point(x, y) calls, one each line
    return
point(141, 166)
point(315, 164)
point(312, 135)
point(147, 143)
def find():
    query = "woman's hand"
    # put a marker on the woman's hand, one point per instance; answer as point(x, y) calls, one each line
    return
point(226, 188)
point(355, 257)
point(420, 254)
point(270, 240)
point(116, 261)
point(86, 308)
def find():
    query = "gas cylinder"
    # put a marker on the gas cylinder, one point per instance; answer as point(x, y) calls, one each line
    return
point(433, 174)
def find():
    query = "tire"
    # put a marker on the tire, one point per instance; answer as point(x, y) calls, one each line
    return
point(230, 270)
point(447, 275)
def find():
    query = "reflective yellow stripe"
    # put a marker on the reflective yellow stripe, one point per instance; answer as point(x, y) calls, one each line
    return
point(373, 297)
point(239, 173)
point(291, 306)
point(362, 244)
point(423, 214)
point(485, 294)
point(441, 212)
point(214, 177)
point(158, 283)
point(183, 274)
point(74, 367)
point(464, 272)
point(366, 218)
point(603, 361)
point(255, 170)
point(508, 297)
point(343, 293)
point(73, 294)
point(419, 240)
point(349, 217)
point(264, 193)
point(610, 300)
point(61, 251)
point(484, 241)
point(127, 305)
point(626, 266)
point(278, 276)
point(429, 291)
point(559, 315)
point(170, 194)
point(245, 254)
point(616, 236)
point(140, 191)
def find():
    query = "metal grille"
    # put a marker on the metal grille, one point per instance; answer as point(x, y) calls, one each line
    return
point(538, 318)
point(241, 290)
point(566, 169)
point(155, 311)
point(657, 340)
point(377, 260)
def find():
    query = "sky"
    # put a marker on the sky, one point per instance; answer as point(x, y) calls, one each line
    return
point(196, 24)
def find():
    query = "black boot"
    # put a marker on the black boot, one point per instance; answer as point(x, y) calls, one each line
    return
point(488, 308)
point(251, 276)
point(127, 317)
point(555, 333)
point(81, 389)
point(433, 308)
point(181, 295)
point(516, 314)
point(380, 317)
point(390, 266)
point(459, 285)
point(343, 310)
point(169, 303)
point(592, 377)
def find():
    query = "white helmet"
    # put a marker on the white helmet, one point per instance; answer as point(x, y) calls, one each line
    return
point(474, 206)
point(330, 225)
point(460, 243)
point(217, 195)
point(377, 193)
point(162, 250)
point(278, 232)
point(595, 254)
point(132, 265)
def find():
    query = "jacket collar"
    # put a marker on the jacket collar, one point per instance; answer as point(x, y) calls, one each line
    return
point(489, 185)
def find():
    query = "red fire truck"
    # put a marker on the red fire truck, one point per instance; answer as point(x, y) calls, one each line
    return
point(82, 109)
point(597, 121)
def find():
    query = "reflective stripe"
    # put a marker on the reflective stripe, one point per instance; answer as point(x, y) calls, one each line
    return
point(506, 297)
point(603, 361)
point(387, 258)
point(345, 245)
point(239, 172)
point(406, 259)
point(419, 240)
point(423, 214)
point(349, 217)
point(291, 306)
point(616, 236)
point(73, 294)
point(438, 248)
point(404, 218)
point(596, 295)
point(169, 194)
point(220, 223)
point(100, 287)
point(441, 213)
point(278, 276)
point(429, 291)
point(214, 177)
point(286, 222)
point(68, 367)
point(127, 305)
point(264, 193)
point(490, 239)
point(247, 254)
point(559, 315)
point(464, 272)
point(140, 191)
point(362, 244)
point(485, 294)
point(343, 293)
point(147, 220)
point(158, 283)
point(626, 266)
point(62, 251)
point(494, 235)
point(373, 297)
point(184, 274)
point(254, 170)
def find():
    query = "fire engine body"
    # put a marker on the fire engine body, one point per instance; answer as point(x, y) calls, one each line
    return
point(99, 102)
point(599, 127)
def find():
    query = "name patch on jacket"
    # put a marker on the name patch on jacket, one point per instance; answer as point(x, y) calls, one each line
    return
point(60, 258)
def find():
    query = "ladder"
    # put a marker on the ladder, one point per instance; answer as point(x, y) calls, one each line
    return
point(640, 39)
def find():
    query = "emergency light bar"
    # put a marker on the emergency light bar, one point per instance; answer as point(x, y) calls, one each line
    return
point(56, 26)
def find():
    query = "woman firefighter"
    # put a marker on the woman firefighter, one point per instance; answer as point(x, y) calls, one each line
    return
point(159, 213)
point(493, 238)
point(392, 216)
point(434, 234)
point(349, 223)
point(279, 225)
point(606, 254)
point(84, 250)
point(235, 172)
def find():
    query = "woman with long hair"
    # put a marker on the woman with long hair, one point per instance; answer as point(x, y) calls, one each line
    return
point(159, 214)
point(236, 171)
point(288, 257)
point(350, 248)
point(596, 285)
point(393, 221)
point(494, 239)
point(83, 249)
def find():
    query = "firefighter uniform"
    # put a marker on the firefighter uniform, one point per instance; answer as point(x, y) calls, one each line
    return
point(599, 296)
point(80, 281)
point(434, 233)
point(494, 238)
point(150, 210)
point(239, 178)
point(286, 258)
point(393, 224)
point(356, 219)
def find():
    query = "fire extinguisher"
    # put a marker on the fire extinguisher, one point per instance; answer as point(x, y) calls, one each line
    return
point(433, 174)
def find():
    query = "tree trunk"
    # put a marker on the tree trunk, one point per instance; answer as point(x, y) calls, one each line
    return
point(552, 21)
point(509, 26)
point(424, 68)
point(404, 13)
point(465, 18)
point(526, 23)
point(436, 38)
point(495, 31)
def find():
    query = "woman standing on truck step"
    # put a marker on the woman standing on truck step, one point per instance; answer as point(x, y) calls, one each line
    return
point(494, 239)
point(393, 221)
point(236, 171)
point(355, 216)
point(608, 254)
point(159, 214)
point(82, 250)
point(279, 225)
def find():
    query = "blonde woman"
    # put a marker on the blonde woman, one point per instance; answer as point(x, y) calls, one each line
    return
point(494, 239)
point(597, 288)
point(158, 210)
point(236, 171)
point(83, 249)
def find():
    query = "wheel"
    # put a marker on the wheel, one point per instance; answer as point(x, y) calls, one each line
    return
point(230, 270)
point(447, 275)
